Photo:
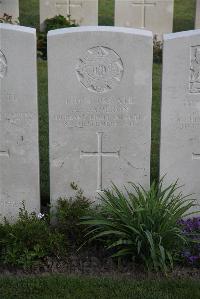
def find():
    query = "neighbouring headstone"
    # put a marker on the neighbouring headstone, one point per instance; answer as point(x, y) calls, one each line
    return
point(197, 19)
point(19, 157)
point(180, 118)
point(11, 8)
point(83, 12)
point(154, 15)
point(100, 85)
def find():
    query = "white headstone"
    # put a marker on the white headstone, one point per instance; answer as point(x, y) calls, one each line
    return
point(19, 158)
point(11, 8)
point(83, 12)
point(154, 15)
point(197, 19)
point(180, 119)
point(100, 84)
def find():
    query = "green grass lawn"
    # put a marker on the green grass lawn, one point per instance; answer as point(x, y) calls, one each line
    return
point(29, 13)
point(29, 16)
point(43, 130)
point(55, 287)
point(184, 15)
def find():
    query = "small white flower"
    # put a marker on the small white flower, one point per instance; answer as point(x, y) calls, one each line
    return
point(40, 216)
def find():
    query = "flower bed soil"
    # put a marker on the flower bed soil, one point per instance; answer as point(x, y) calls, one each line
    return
point(97, 264)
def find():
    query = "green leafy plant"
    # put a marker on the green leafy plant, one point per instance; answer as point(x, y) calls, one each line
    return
point(42, 45)
point(142, 224)
point(68, 215)
point(56, 22)
point(29, 240)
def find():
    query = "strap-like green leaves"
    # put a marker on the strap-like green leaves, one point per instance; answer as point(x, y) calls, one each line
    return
point(141, 223)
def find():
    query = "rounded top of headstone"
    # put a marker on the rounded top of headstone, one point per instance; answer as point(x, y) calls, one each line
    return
point(17, 28)
point(182, 34)
point(126, 30)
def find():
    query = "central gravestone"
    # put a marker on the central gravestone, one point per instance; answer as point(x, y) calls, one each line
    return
point(99, 108)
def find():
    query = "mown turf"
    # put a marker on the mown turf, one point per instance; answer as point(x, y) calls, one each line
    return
point(43, 130)
point(29, 13)
point(155, 121)
point(55, 287)
point(184, 12)
point(184, 15)
point(106, 12)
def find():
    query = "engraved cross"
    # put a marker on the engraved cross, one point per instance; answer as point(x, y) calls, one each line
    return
point(143, 5)
point(100, 154)
point(68, 4)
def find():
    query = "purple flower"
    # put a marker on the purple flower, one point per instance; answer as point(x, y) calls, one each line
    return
point(193, 258)
point(191, 229)
point(190, 225)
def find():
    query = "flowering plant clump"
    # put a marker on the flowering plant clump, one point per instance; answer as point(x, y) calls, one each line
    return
point(29, 241)
point(191, 229)
point(143, 225)
point(40, 216)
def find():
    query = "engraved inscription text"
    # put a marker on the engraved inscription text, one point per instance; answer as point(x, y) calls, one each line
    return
point(195, 70)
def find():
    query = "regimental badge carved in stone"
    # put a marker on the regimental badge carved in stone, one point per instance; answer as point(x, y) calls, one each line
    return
point(3, 65)
point(195, 70)
point(100, 69)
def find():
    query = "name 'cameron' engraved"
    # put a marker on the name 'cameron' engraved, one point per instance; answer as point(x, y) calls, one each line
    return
point(100, 69)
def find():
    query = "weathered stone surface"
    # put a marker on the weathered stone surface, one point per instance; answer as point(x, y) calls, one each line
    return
point(10, 7)
point(84, 12)
point(154, 15)
point(180, 119)
point(19, 158)
point(197, 19)
point(99, 107)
